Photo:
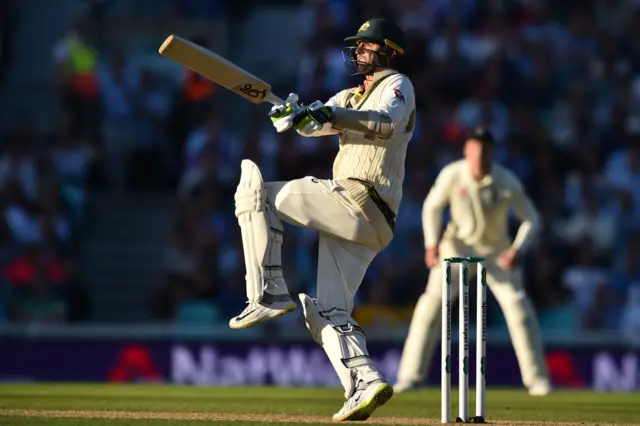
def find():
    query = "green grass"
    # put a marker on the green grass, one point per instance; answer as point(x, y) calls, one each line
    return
point(159, 405)
point(35, 421)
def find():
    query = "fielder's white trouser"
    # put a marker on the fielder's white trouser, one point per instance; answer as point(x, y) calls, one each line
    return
point(507, 287)
point(347, 245)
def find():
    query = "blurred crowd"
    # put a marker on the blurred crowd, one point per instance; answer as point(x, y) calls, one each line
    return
point(558, 83)
point(42, 191)
point(42, 204)
point(110, 134)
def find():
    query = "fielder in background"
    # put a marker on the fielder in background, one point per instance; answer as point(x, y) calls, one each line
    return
point(354, 212)
point(480, 195)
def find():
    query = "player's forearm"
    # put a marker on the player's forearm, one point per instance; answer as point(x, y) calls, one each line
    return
point(528, 230)
point(524, 237)
point(431, 223)
point(434, 205)
point(366, 122)
point(325, 130)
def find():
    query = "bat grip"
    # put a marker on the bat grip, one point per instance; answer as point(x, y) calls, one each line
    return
point(273, 99)
point(273, 113)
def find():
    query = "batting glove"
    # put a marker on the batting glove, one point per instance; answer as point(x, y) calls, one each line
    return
point(282, 115)
point(312, 118)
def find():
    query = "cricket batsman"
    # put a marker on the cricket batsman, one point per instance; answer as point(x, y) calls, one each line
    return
point(354, 212)
point(480, 195)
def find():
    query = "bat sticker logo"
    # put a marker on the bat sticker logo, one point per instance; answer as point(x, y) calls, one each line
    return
point(248, 89)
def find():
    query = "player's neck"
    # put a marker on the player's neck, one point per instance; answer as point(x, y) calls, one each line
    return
point(370, 78)
point(480, 173)
point(368, 81)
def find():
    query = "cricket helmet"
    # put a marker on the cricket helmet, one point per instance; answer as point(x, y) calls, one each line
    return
point(378, 30)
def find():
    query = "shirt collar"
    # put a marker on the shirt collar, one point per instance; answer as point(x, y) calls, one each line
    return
point(359, 91)
point(383, 73)
point(485, 181)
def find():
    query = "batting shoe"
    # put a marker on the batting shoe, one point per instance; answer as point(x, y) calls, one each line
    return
point(259, 312)
point(540, 387)
point(363, 402)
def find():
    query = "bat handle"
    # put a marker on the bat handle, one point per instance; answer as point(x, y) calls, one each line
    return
point(273, 99)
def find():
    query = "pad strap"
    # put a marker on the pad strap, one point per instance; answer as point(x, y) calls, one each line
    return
point(344, 342)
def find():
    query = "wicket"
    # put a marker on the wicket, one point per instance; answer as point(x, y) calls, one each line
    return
point(463, 350)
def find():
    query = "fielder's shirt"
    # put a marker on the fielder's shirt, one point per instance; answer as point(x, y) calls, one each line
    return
point(479, 209)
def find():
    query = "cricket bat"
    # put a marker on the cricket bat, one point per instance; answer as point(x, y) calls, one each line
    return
point(218, 69)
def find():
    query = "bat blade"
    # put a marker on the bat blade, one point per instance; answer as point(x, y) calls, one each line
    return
point(218, 69)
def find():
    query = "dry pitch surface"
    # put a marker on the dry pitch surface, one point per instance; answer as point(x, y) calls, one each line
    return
point(156, 405)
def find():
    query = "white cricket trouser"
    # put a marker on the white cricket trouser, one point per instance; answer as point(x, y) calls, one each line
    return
point(347, 242)
point(507, 287)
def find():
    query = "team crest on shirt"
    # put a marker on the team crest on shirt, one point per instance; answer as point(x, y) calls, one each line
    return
point(463, 191)
point(398, 94)
point(489, 197)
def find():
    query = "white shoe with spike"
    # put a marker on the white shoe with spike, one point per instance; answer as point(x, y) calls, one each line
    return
point(363, 402)
point(258, 312)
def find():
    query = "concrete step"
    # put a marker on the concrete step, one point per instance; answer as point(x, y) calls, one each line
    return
point(121, 260)
point(158, 236)
point(107, 276)
point(160, 227)
point(94, 261)
point(124, 252)
point(97, 272)
point(128, 286)
point(159, 201)
point(137, 215)
point(121, 310)
point(113, 298)
point(136, 248)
